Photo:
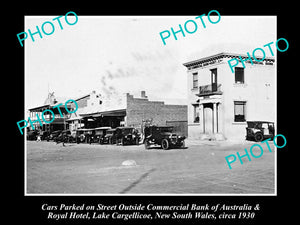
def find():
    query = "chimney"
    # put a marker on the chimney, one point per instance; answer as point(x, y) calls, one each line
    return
point(143, 94)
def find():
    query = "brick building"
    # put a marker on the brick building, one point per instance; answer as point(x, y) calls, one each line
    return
point(96, 110)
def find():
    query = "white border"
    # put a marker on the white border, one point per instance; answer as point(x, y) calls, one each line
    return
point(145, 194)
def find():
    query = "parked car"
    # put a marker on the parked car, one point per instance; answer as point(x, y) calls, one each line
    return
point(54, 134)
point(83, 135)
point(31, 135)
point(45, 135)
point(127, 135)
point(65, 136)
point(110, 137)
point(79, 136)
point(163, 136)
point(259, 130)
point(98, 134)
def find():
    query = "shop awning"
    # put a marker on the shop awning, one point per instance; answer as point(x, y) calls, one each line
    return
point(120, 112)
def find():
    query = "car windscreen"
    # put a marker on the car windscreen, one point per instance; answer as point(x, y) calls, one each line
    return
point(166, 129)
point(110, 132)
point(99, 132)
point(127, 131)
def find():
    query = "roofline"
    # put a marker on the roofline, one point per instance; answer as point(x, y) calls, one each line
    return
point(81, 97)
point(222, 54)
point(101, 112)
point(49, 105)
point(259, 121)
point(38, 107)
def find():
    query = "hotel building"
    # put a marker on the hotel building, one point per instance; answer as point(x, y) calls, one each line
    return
point(220, 102)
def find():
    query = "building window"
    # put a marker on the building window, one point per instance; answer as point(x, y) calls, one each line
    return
point(239, 75)
point(239, 111)
point(196, 113)
point(195, 80)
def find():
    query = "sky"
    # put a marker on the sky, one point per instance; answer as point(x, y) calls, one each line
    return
point(125, 54)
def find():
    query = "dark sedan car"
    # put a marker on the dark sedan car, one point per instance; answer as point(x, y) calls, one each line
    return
point(32, 135)
point(98, 134)
point(127, 135)
point(259, 130)
point(110, 137)
point(163, 136)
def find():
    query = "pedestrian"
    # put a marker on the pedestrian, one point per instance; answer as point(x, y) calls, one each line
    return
point(38, 138)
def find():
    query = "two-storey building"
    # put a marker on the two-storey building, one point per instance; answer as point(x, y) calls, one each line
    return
point(220, 102)
point(58, 122)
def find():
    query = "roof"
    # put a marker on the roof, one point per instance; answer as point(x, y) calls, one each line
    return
point(74, 118)
point(125, 127)
point(163, 126)
point(39, 107)
point(258, 121)
point(102, 128)
point(224, 46)
point(119, 112)
point(220, 56)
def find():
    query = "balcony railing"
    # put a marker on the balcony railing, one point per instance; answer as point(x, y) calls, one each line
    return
point(211, 89)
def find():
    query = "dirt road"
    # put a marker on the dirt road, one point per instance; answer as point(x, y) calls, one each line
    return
point(97, 169)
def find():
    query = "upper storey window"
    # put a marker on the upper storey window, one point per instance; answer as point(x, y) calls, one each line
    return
point(239, 75)
point(195, 80)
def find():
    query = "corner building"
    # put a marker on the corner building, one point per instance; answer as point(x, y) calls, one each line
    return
point(220, 102)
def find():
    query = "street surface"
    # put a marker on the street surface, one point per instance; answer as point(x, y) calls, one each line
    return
point(200, 168)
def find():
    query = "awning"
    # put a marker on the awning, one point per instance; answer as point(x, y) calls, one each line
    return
point(75, 118)
point(120, 112)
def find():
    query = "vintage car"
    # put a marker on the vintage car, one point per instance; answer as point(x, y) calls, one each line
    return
point(83, 135)
point(54, 134)
point(127, 135)
point(32, 135)
point(45, 135)
point(259, 130)
point(65, 136)
point(98, 134)
point(163, 136)
point(110, 137)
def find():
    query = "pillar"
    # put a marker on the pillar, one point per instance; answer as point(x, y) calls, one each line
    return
point(201, 118)
point(215, 118)
point(220, 118)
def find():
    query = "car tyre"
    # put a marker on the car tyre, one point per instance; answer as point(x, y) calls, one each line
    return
point(165, 144)
point(183, 144)
point(122, 141)
point(258, 137)
point(147, 144)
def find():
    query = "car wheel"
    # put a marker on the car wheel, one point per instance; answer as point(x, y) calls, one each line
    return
point(147, 144)
point(183, 144)
point(122, 141)
point(165, 144)
point(258, 137)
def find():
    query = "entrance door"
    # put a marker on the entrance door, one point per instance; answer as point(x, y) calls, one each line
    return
point(208, 118)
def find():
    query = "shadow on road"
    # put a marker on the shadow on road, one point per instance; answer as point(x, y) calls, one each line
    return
point(137, 181)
